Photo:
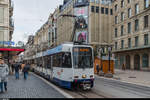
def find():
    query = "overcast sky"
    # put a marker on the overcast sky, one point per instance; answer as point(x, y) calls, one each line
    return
point(30, 15)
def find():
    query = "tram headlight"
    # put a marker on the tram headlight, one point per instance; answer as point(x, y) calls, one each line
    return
point(83, 76)
point(91, 76)
point(76, 76)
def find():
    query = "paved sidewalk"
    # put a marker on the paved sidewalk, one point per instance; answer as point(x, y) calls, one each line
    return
point(33, 87)
point(135, 77)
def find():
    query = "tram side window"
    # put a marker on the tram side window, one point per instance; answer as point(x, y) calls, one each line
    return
point(49, 62)
point(59, 59)
point(38, 62)
point(54, 61)
point(66, 60)
point(62, 60)
point(45, 62)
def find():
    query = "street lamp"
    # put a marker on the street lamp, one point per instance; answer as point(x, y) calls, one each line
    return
point(109, 74)
point(101, 56)
point(109, 54)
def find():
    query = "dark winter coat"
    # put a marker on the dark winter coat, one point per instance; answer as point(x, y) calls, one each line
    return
point(26, 68)
point(17, 67)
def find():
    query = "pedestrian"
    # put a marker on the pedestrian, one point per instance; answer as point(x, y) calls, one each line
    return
point(12, 67)
point(4, 72)
point(22, 66)
point(25, 70)
point(123, 67)
point(97, 68)
point(17, 68)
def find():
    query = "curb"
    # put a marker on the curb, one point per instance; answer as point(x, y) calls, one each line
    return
point(55, 87)
point(122, 81)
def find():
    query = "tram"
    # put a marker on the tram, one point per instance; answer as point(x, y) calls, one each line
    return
point(69, 65)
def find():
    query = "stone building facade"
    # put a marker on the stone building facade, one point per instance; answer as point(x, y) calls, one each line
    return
point(59, 28)
point(6, 21)
point(98, 15)
point(131, 36)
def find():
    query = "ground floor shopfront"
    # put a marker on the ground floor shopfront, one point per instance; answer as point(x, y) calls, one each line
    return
point(133, 59)
point(9, 53)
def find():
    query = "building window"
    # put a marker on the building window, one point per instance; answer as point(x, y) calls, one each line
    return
point(122, 44)
point(106, 10)
point(1, 15)
point(129, 12)
point(92, 1)
point(92, 9)
point(116, 32)
point(55, 33)
point(97, 1)
point(97, 9)
point(136, 9)
point(146, 39)
point(129, 42)
point(116, 44)
point(116, 7)
point(129, 1)
point(111, 12)
point(122, 3)
point(116, 19)
point(146, 3)
point(122, 16)
point(146, 21)
point(136, 25)
point(1, 35)
point(122, 30)
point(102, 10)
point(136, 41)
point(145, 61)
point(129, 27)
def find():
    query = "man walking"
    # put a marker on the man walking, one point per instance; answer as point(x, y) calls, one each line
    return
point(97, 68)
point(25, 70)
point(17, 67)
point(123, 67)
point(4, 71)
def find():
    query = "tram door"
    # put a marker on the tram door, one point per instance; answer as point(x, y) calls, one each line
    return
point(51, 76)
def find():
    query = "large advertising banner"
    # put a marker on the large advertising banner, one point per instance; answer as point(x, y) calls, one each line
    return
point(81, 33)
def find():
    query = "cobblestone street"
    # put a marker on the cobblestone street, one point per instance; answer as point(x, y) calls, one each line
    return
point(33, 87)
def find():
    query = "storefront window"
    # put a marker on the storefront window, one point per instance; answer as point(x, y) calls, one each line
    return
point(145, 60)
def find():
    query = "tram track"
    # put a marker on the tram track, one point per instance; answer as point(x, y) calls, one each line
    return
point(84, 94)
point(78, 93)
point(90, 94)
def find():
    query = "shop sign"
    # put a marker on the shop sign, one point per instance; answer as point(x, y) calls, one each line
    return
point(9, 43)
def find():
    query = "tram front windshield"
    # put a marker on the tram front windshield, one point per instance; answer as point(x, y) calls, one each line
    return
point(82, 57)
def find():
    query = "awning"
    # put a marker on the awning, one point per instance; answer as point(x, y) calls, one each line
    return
point(13, 51)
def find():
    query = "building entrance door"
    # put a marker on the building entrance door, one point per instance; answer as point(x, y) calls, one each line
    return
point(137, 62)
point(127, 62)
